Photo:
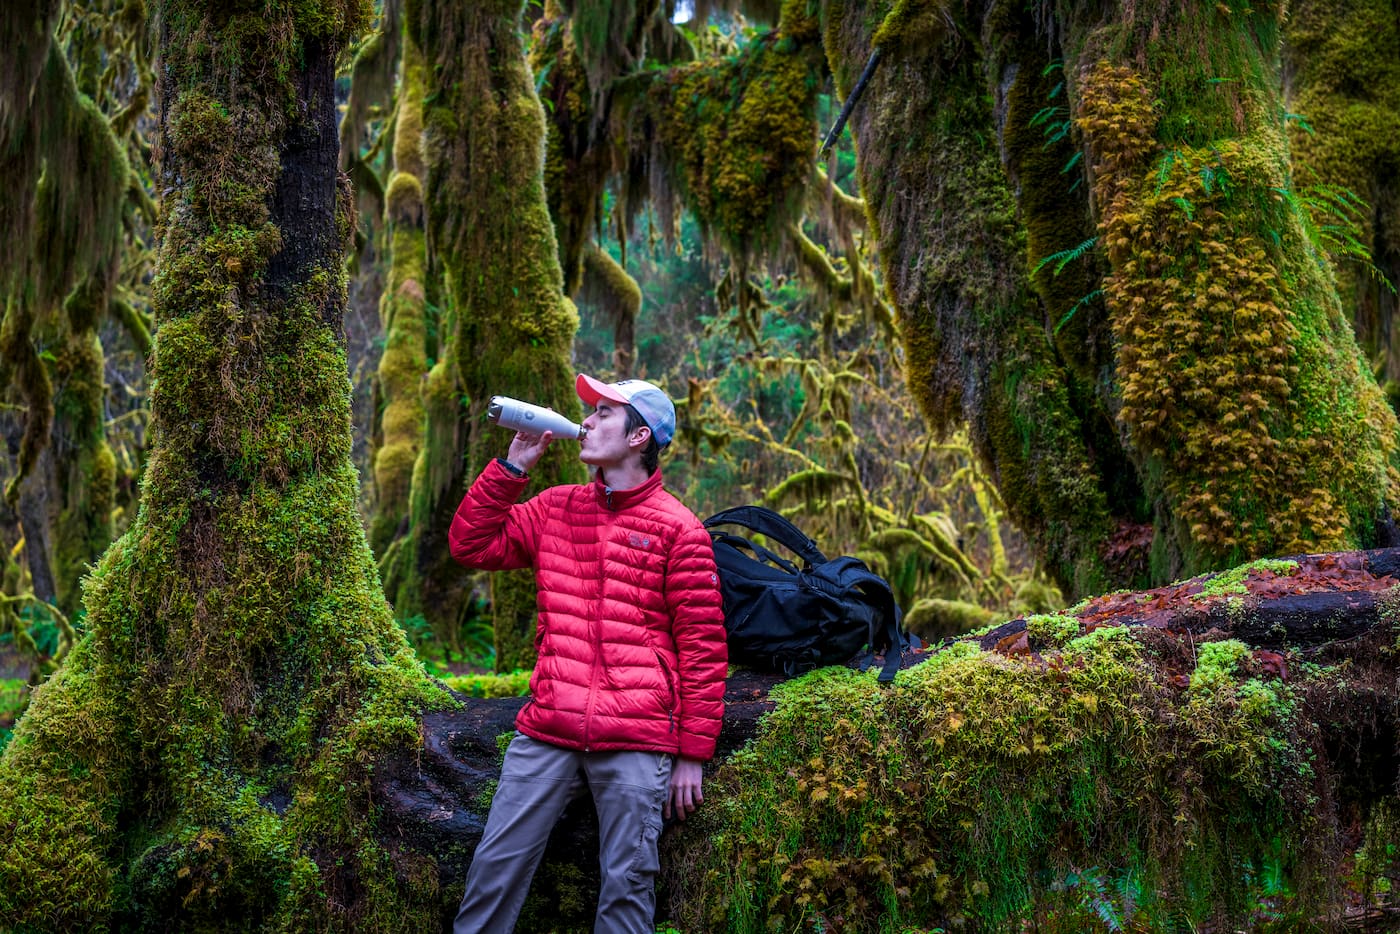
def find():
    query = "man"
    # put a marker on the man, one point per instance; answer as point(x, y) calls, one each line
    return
point(627, 692)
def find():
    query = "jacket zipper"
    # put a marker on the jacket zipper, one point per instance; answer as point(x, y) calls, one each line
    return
point(595, 624)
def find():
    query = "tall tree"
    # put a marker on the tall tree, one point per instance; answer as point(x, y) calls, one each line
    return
point(510, 327)
point(202, 759)
point(1211, 386)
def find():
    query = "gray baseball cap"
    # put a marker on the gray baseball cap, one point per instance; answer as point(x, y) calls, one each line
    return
point(651, 403)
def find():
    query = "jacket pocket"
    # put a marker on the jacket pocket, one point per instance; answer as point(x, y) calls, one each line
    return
point(670, 685)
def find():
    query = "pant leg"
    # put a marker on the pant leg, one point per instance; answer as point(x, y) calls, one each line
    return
point(629, 789)
point(537, 781)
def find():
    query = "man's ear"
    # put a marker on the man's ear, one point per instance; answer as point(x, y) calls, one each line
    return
point(640, 437)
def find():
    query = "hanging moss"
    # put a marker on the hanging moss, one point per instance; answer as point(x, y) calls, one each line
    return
point(737, 137)
point(64, 226)
point(403, 316)
point(985, 793)
point(512, 326)
point(202, 761)
point(607, 285)
point(85, 470)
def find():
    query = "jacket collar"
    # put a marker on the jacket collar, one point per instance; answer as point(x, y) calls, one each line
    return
point(621, 499)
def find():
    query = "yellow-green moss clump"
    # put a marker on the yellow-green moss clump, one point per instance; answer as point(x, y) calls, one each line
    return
point(739, 137)
point(512, 327)
point(202, 760)
point(980, 792)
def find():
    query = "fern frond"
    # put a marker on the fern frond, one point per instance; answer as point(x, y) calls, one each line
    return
point(1077, 305)
point(1065, 257)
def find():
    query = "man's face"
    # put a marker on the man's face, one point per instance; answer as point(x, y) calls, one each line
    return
point(607, 442)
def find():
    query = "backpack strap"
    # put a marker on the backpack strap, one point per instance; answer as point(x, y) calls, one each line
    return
point(767, 522)
point(893, 638)
point(763, 554)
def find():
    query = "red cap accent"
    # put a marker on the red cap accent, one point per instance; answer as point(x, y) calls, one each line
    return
point(591, 390)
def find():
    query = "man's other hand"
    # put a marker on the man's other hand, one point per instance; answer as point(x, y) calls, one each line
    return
point(685, 794)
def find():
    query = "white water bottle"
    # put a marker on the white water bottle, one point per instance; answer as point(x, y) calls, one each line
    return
point(531, 419)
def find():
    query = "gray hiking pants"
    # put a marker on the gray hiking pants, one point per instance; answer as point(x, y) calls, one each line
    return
point(537, 781)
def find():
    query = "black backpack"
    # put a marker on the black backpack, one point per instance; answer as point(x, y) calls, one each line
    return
point(782, 617)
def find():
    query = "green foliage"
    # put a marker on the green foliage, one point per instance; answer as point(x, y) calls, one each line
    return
point(511, 684)
point(1216, 663)
point(14, 697)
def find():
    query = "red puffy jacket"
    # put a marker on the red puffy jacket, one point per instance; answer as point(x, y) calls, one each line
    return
point(630, 638)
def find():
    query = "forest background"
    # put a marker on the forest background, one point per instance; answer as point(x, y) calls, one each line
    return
point(1084, 298)
point(791, 387)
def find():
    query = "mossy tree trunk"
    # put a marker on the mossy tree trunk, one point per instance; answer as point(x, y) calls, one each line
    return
point(1342, 80)
point(953, 245)
point(61, 218)
point(402, 309)
point(511, 326)
point(202, 760)
point(1177, 390)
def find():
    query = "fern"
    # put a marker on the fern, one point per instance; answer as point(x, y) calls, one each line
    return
point(1168, 160)
point(1097, 293)
point(1065, 257)
point(1301, 121)
point(1331, 217)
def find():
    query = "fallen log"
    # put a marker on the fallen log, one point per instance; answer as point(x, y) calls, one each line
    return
point(1306, 607)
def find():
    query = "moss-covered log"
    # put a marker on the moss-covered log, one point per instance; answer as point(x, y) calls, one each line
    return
point(202, 760)
point(511, 327)
point(1079, 770)
point(1211, 752)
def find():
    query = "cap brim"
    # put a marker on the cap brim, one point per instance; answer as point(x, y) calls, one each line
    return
point(592, 391)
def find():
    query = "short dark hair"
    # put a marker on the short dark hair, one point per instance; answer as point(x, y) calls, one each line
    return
point(651, 454)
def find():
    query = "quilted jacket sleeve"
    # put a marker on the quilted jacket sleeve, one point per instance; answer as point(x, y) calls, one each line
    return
point(692, 592)
point(490, 531)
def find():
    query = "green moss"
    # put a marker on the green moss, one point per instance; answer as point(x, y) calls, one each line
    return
point(1346, 90)
point(1233, 581)
point(973, 791)
point(1216, 663)
point(512, 684)
point(740, 136)
point(1052, 628)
